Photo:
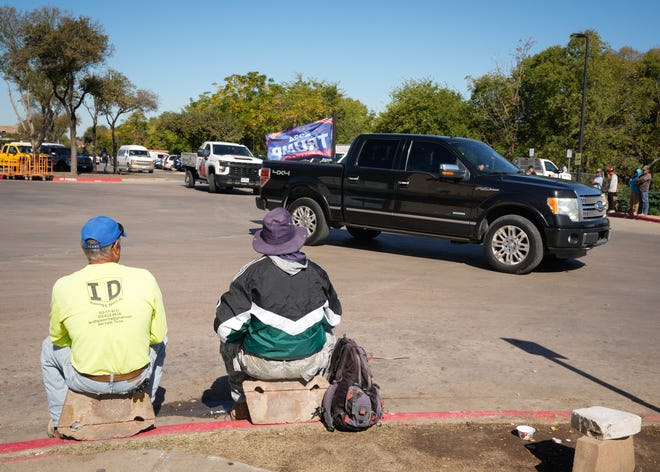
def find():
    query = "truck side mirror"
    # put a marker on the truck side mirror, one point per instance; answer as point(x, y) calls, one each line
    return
point(451, 172)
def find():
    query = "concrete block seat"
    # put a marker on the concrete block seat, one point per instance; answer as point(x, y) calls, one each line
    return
point(87, 416)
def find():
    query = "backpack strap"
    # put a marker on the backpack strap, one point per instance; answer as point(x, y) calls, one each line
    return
point(326, 405)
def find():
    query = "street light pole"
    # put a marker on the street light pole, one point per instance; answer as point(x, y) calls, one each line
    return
point(584, 100)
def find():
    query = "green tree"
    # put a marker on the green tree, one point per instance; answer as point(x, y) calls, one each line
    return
point(116, 96)
point(102, 135)
point(422, 106)
point(259, 107)
point(134, 130)
point(621, 120)
point(66, 50)
point(35, 107)
point(352, 118)
point(198, 124)
point(245, 99)
point(497, 104)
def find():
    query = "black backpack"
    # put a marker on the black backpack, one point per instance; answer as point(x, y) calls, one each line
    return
point(352, 401)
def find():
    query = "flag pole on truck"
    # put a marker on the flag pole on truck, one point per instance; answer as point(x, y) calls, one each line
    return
point(334, 135)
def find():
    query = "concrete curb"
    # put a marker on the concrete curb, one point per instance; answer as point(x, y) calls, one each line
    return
point(651, 218)
point(446, 416)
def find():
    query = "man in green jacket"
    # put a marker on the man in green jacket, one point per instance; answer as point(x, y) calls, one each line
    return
point(275, 322)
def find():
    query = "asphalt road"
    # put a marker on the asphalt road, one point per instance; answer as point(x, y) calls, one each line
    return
point(446, 332)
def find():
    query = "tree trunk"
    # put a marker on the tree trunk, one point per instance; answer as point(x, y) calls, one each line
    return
point(74, 147)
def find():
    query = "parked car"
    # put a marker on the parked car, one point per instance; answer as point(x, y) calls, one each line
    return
point(60, 158)
point(178, 165)
point(168, 162)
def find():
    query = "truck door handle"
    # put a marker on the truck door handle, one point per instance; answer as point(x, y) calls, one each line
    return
point(404, 183)
point(353, 179)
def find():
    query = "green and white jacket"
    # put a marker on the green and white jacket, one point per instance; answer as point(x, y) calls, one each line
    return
point(278, 309)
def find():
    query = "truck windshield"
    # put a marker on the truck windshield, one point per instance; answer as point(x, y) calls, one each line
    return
point(549, 166)
point(484, 158)
point(224, 149)
point(138, 152)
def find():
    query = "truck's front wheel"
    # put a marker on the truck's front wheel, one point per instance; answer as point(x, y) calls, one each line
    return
point(307, 213)
point(513, 245)
point(189, 180)
point(213, 187)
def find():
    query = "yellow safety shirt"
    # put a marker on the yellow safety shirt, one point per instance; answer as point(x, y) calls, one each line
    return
point(109, 314)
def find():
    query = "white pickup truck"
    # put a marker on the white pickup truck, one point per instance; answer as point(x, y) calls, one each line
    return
point(542, 167)
point(223, 166)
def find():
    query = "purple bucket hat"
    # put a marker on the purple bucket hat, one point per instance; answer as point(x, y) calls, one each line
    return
point(279, 235)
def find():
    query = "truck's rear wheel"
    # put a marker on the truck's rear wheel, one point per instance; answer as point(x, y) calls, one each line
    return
point(362, 233)
point(189, 179)
point(513, 245)
point(213, 188)
point(307, 213)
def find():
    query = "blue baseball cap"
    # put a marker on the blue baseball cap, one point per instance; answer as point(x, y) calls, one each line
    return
point(103, 229)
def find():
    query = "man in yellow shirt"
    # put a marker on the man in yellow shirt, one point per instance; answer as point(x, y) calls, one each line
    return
point(108, 329)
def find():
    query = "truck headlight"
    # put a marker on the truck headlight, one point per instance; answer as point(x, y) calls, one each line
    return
point(565, 206)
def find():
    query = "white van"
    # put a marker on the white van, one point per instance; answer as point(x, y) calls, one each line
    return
point(134, 158)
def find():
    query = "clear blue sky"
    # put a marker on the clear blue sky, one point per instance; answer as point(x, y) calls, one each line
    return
point(180, 49)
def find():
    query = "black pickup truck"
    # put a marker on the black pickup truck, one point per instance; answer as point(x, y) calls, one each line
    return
point(453, 188)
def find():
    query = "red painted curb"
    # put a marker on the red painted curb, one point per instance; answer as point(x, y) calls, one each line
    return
point(87, 179)
point(448, 416)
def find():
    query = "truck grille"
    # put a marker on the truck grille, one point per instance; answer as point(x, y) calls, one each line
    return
point(245, 170)
point(593, 207)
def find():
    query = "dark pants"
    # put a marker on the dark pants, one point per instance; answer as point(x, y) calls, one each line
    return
point(611, 201)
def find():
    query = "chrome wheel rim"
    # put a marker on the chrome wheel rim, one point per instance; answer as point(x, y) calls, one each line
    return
point(305, 217)
point(510, 245)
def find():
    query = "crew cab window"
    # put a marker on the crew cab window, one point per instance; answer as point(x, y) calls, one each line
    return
point(378, 154)
point(427, 157)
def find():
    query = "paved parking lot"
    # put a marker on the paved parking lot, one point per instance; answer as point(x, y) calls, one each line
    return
point(446, 333)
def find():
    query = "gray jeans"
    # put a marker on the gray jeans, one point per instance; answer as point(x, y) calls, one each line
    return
point(60, 376)
point(241, 365)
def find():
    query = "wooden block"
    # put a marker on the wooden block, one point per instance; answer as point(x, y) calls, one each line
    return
point(611, 455)
point(286, 401)
point(87, 416)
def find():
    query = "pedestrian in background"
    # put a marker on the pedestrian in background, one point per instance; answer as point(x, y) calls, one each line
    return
point(644, 183)
point(612, 188)
point(634, 192)
point(104, 158)
point(597, 181)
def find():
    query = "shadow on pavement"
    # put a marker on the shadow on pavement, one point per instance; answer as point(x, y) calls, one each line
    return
point(538, 350)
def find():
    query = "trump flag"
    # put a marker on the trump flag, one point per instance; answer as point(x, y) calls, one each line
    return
point(313, 139)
